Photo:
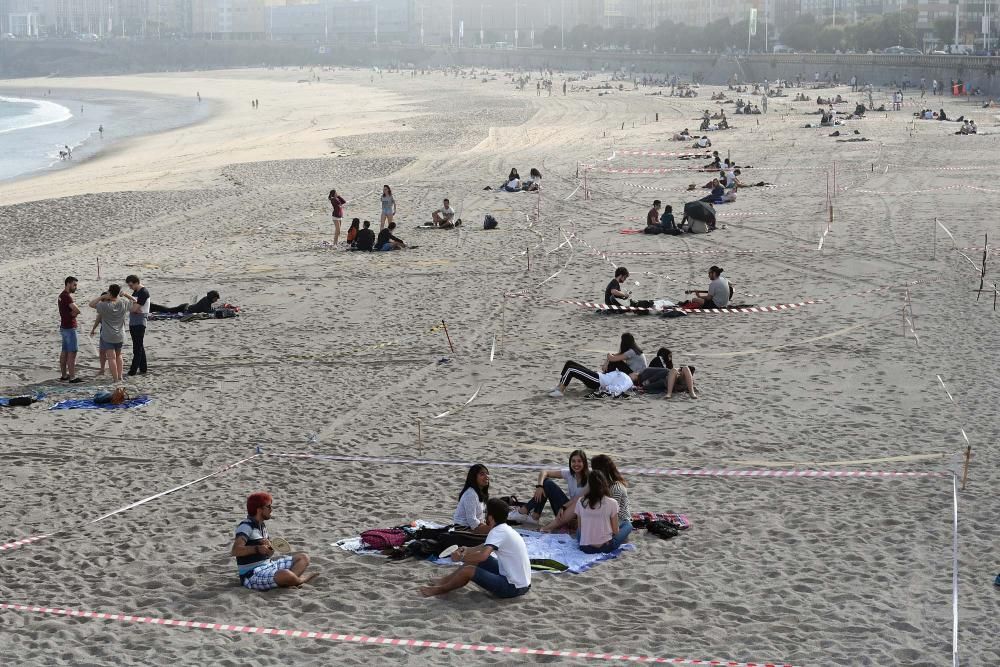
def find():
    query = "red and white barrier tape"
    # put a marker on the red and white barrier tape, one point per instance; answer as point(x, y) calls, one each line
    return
point(36, 538)
point(650, 153)
point(378, 640)
point(715, 311)
point(659, 472)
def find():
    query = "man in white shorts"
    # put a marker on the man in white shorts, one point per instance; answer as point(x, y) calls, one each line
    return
point(252, 550)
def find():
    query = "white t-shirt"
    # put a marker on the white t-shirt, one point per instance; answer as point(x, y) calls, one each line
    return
point(513, 184)
point(571, 484)
point(718, 291)
point(470, 511)
point(447, 213)
point(512, 555)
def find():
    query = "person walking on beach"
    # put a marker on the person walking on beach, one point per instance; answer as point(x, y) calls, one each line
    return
point(100, 130)
point(252, 550)
point(68, 311)
point(501, 566)
point(137, 324)
point(388, 207)
point(338, 203)
point(113, 308)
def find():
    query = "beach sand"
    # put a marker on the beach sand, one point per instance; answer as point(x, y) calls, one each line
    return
point(341, 353)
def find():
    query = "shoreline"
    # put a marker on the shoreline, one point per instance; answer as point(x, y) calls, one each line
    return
point(124, 117)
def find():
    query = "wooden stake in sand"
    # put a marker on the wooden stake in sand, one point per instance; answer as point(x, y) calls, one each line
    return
point(448, 336)
point(528, 253)
point(98, 268)
point(965, 468)
point(420, 440)
point(934, 252)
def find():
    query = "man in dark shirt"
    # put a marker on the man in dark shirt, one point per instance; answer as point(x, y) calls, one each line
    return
point(653, 215)
point(68, 310)
point(718, 192)
point(386, 241)
point(614, 290)
point(365, 239)
point(137, 324)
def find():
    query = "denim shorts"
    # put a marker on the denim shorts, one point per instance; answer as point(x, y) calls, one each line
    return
point(488, 577)
point(69, 343)
point(386, 247)
point(105, 345)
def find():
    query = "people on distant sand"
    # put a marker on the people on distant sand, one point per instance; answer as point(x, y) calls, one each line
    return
point(471, 510)
point(667, 222)
point(113, 307)
point(614, 291)
point(352, 231)
point(366, 238)
point(653, 215)
point(512, 185)
point(337, 202)
point(68, 312)
point(444, 216)
point(661, 376)
point(717, 194)
point(718, 293)
point(387, 241)
point(388, 207)
point(533, 182)
point(703, 142)
point(501, 566)
point(628, 359)
point(204, 305)
point(513, 174)
point(548, 491)
point(683, 135)
point(252, 550)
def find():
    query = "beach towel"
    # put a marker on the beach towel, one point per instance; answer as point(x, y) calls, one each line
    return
point(640, 519)
point(633, 231)
point(561, 548)
point(89, 404)
point(164, 316)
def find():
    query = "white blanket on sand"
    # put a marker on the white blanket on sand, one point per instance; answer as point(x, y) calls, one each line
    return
point(559, 547)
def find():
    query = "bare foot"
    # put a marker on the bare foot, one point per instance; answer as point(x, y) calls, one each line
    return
point(670, 395)
point(428, 591)
point(692, 394)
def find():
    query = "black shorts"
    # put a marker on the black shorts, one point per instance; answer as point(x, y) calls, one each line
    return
point(708, 305)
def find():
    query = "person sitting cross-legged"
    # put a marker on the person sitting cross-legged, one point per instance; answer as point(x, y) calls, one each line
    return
point(252, 550)
point(501, 566)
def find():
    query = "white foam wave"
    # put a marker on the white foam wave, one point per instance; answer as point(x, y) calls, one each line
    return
point(43, 113)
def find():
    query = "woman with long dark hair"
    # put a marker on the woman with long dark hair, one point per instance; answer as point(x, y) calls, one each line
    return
point(629, 358)
point(388, 206)
point(471, 510)
point(352, 231)
point(662, 376)
point(547, 490)
point(338, 213)
point(597, 513)
point(618, 490)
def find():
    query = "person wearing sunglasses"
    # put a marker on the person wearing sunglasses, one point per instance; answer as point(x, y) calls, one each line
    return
point(252, 550)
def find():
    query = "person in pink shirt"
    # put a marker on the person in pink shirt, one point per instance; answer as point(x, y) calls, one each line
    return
point(597, 514)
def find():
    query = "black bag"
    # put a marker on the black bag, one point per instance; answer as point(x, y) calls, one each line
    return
point(489, 222)
point(663, 529)
point(16, 401)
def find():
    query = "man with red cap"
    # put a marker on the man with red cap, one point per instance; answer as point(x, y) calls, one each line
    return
point(252, 550)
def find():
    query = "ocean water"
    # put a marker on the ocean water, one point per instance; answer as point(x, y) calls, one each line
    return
point(35, 125)
point(32, 132)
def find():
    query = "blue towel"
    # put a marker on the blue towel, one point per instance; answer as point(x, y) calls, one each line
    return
point(88, 404)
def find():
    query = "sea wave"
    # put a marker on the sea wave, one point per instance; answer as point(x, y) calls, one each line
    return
point(42, 113)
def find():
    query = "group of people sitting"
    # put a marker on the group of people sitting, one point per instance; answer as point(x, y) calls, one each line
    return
point(594, 507)
point(968, 127)
point(363, 238)
point(627, 371)
point(746, 108)
point(515, 183)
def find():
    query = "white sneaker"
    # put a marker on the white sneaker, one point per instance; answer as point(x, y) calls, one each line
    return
point(555, 393)
point(514, 515)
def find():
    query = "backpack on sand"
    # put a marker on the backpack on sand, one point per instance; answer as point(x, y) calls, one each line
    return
point(489, 222)
point(383, 538)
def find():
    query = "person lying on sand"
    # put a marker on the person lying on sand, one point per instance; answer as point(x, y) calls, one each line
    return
point(252, 550)
point(501, 566)
point(471, 510)
point(662, 376)
point(703, 142)
point(203, 305)
point(386, 241)
point(684, 135)
point(443, 216)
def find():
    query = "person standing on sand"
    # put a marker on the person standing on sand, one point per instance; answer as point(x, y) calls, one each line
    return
point(252, 550)
point(338, 213)
point(68, 310)
point(137, 324)
point(113, 309)
point(501, 566)
point(388, 206)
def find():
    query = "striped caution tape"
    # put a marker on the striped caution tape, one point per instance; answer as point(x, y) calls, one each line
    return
point(717, 311)
point(658, 472)
point(648, 153)
point(376, 640)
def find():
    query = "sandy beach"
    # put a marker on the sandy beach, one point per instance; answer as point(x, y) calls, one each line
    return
point(341, 353)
